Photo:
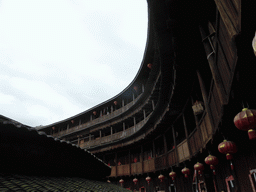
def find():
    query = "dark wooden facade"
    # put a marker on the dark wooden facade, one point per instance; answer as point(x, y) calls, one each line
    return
point(201, 54)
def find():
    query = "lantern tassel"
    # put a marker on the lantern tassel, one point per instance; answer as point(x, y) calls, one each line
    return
point(231, 165)
point(214, 173)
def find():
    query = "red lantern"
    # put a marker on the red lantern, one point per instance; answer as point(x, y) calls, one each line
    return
point(185, 171)
point(212, 161)
point(148, 179)
point(252, 134)
point(121, 181)
point(199, 167)
point(172, 175)
point(94, 112)
point(245, 121)
point(115, 102)
point(228, 148)
point(72, 121)
point(161, 177)
point(135, 180)
point(150, 65)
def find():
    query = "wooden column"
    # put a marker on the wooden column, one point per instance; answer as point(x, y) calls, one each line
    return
point(111, 108)
point(130, 167)
point(153, 105)
point(67, 126)
point(165, 150)
point(144, 114)
point(211, 55)
point(175, 145)
point(133, 97)
point(90, 117)
point(122, 103)
point(154, 149)
point(186, 133)
point(142, 158)
point(111, 132)
point(116, 161)
point(205, 97)
point(142, 88)
point(123, 126)
point(79, 121)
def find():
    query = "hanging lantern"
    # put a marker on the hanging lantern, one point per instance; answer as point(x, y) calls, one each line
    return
point(161, 177)
point(72, 121)
point(254, 44)
point(252, 134)
point(149, 65)
point(148, 179)
point(245, 121)
point(121, 181)
point(135, 88)
point(199, 167)
point(115, 102)
point(172, 175)
point(53, 128)
point(212, 161)
point(185, 171)
point(228, 148)
point(135, 180)
point(94, 112)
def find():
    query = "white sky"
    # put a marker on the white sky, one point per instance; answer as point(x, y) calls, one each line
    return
point(61, 57)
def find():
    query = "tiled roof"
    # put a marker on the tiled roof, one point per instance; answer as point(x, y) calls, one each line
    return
point(13, 182)
point(24, 150)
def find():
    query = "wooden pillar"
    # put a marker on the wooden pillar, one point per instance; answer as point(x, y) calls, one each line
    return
point(142, 158)
point(123, 126)
point(154, 149)
point(186, 133)
point(116, 161)
point(100, 113)
point(153, 105)
point(142, 88)
point(211, 56)
point(111, 108)
point(130, 167)
point(144, 114)
point(165, 144)
point(205, 97)
point(122, 103)
point(175, 145)
point(133, 97)
point(111, 132)
point(67, 126)
point(80, 121)
point(134, 124)
point(90, 117)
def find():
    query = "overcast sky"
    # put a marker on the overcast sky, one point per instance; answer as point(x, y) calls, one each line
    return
point(61, 57)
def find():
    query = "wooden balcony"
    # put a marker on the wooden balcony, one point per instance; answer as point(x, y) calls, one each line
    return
point(114, 137)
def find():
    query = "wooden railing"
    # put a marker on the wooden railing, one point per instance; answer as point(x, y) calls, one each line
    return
point(120, 135)
point(98, 120)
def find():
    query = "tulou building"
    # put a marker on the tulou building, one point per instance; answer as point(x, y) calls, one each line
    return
point(187, 122)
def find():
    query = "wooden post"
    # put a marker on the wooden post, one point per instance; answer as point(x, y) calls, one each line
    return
point(215, 73)
point(122, 102)
point(142, 88)
point(111, 132)
point(186, 133)
point(142, 158)
point(174, 142)
point(144, 114)
point(123, 126)
point(116, 161)
point(90, 117)
point(205, 97)
point(130, 167)
point(153, 105)
point(154, 149)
